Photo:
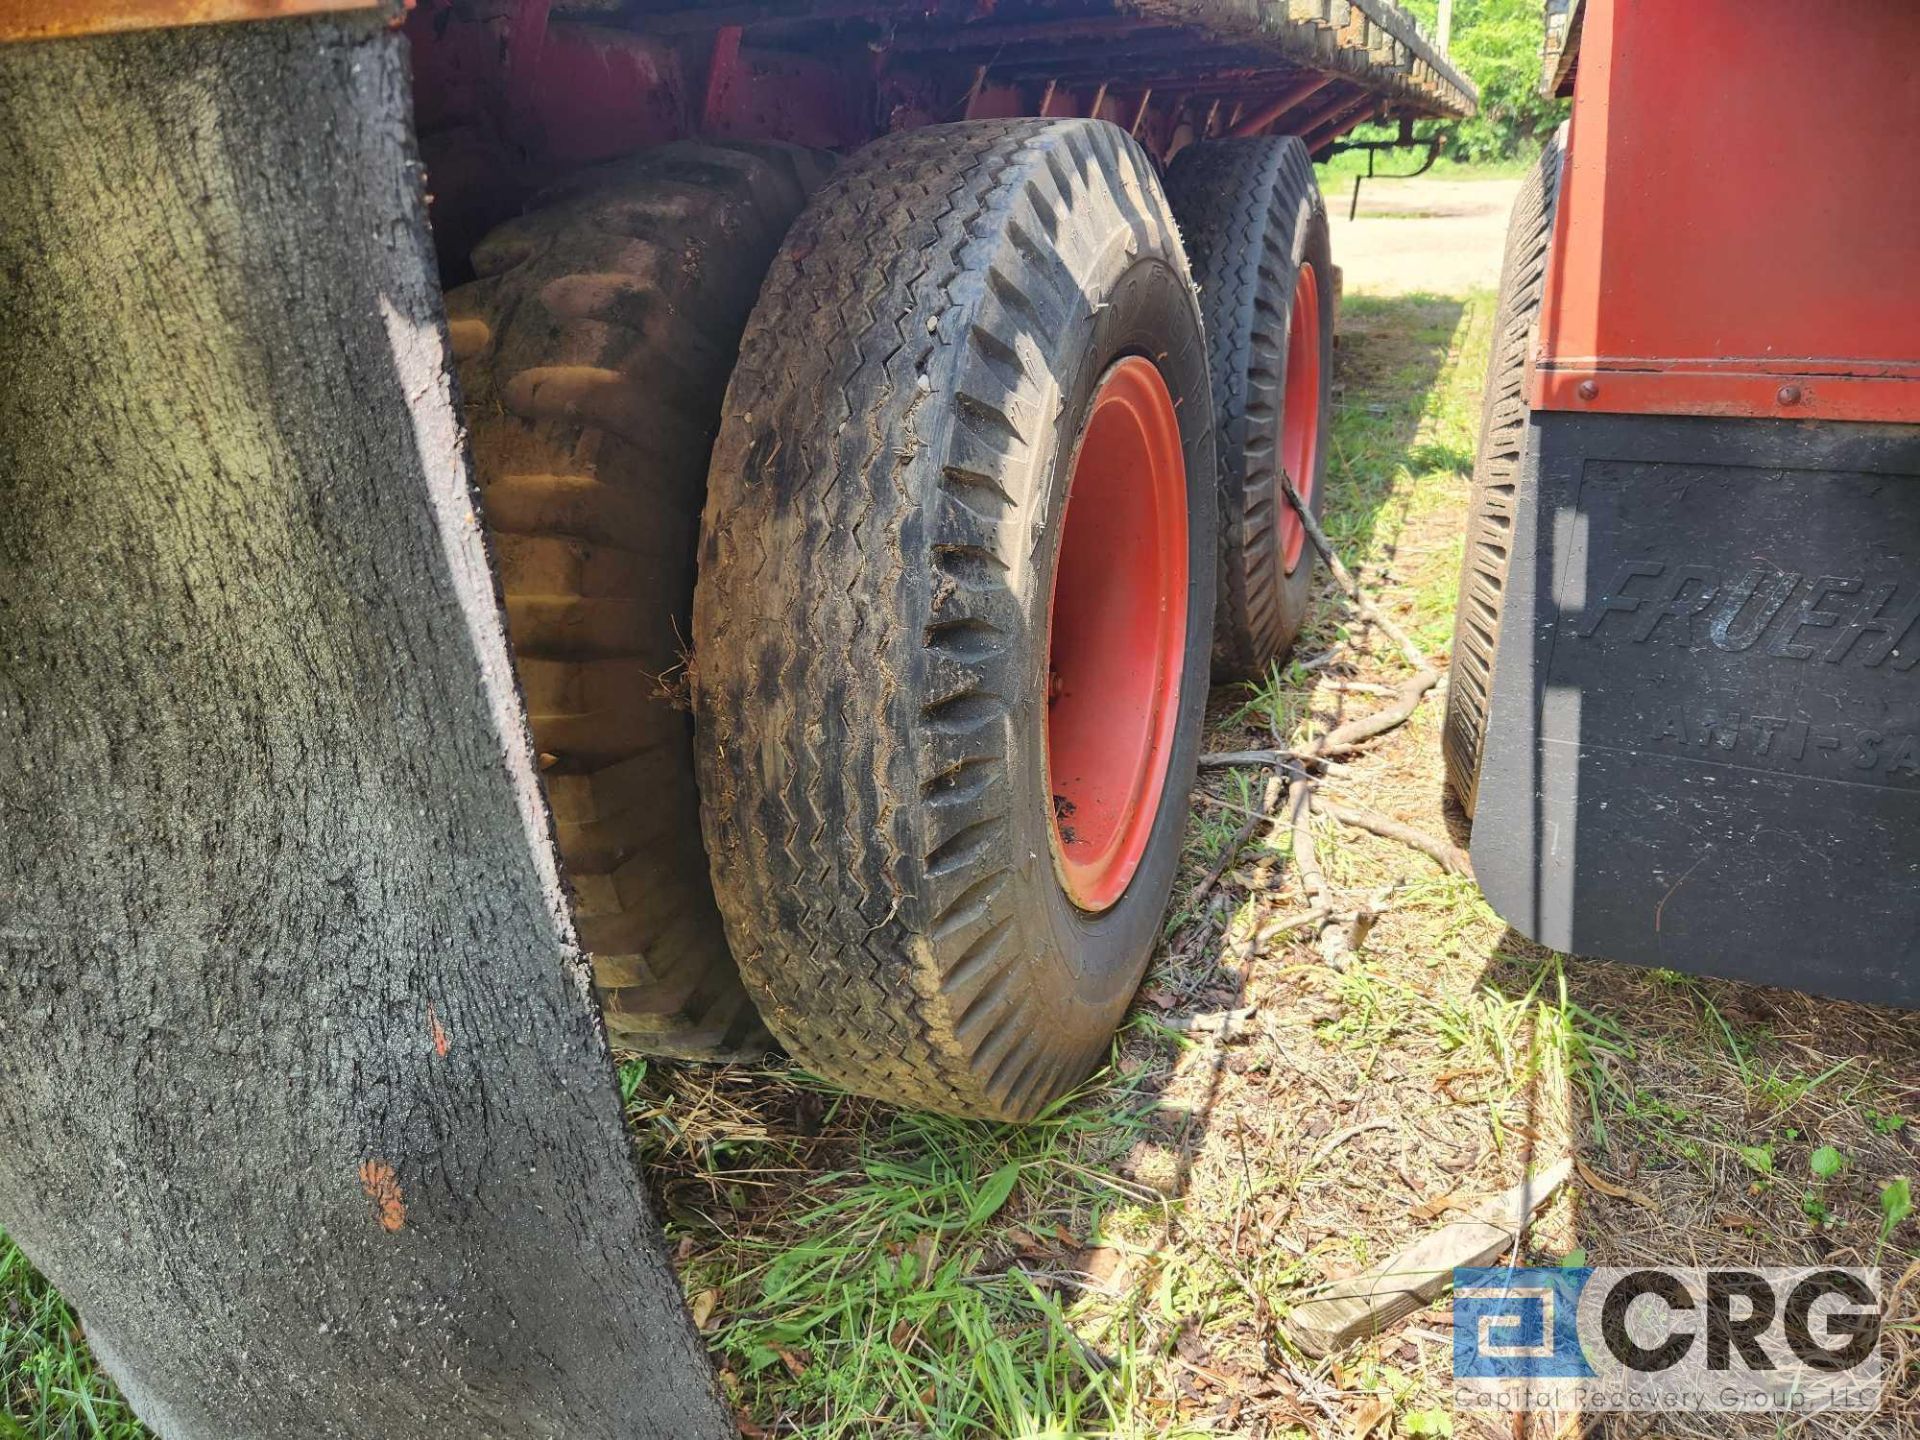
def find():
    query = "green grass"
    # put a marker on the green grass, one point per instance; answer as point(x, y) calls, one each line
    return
point(910, 1275)
point(1336, 174)
point(1403, 444)
point(861, 1271)
point(913, 1288)
point(50, 1386)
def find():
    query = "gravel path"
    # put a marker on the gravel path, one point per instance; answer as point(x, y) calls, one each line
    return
point(1440, 237)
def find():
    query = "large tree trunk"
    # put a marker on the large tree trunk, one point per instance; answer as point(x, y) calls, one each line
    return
point(303, 1095)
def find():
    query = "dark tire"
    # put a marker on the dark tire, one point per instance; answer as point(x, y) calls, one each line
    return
point(1496, 475)
point(873, 619)
point(1251, 215)
point(594, 352)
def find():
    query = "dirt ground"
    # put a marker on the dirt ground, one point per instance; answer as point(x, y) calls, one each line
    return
point(1438, 237)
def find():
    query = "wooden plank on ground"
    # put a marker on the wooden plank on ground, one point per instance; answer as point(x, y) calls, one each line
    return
point(1349, 1310)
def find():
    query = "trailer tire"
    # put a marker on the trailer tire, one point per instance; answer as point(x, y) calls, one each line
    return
point(1496, 476)
point(883, 608)
point(1256, 231)
point(594, 351)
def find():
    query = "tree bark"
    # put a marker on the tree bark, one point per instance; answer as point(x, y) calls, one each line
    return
point(304, 1099)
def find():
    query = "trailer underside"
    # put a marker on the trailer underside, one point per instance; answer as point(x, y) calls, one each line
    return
point(508, 92)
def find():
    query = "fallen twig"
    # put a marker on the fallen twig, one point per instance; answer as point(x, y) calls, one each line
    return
point(1269, 799)
point(1225, 1023)
point(1361, 923)
point(1354, 687)
point(1333, 946)
point(1344, 578)
point(1299, 804)
point(1274, 929)
point(1442, 852)
point(1324, 658)
point(1409, 693)
point(1339, 933)
point(1229, 759)
point(1354, 732)
point(1340, 1137)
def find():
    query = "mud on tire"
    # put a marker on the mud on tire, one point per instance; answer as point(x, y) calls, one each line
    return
point(594, 351)
point(1252, 217)
point(1496, 474)
point(872, 620)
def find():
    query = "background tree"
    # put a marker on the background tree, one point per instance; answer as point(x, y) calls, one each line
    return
point(1497, 44)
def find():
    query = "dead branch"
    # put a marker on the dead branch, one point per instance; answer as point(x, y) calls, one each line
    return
point(1268, 800)
point(1312, 878)
point(1340, 1137)
point(1368, 610)
point(1227, 759)
point(1324, 658)
point(1443, 853)
point(1361, 923)
point(1294, 922)
point(1366, 727)
point(1333, 946)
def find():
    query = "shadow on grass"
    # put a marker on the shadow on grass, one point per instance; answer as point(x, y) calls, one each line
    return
point(860, 1268)
point(1390, 352)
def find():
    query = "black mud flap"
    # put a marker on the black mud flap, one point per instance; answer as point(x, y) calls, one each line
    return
point(1704, 745)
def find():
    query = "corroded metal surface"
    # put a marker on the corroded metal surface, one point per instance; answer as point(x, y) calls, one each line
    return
point(1245, 51)
point(38, 20)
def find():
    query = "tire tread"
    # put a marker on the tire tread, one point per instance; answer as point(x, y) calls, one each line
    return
point(596, 348)
point(853, 752)
point(1496, 476)
point(1251, 211)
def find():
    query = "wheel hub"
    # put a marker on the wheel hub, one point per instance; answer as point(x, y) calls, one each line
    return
point(1300, 413)
point(1117, 633)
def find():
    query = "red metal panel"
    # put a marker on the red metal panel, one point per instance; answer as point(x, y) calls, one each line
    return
point(1739, 227)
point(597, 92)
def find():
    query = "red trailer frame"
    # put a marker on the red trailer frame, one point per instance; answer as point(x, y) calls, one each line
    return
point(1702, 711)
point(1742, 249)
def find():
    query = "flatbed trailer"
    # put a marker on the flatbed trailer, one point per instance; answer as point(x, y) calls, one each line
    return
point(507, 98)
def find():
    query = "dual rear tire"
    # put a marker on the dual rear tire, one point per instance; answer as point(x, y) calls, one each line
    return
point(593, 349)
point(958, 570)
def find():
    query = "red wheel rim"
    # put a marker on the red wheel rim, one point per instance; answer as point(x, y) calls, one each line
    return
point(1300, 409)
point(1116, 638)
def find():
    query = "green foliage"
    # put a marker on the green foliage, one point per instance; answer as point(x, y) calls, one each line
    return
point(1497, 44)
point(1896, 1203)
point(1826, 1162)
